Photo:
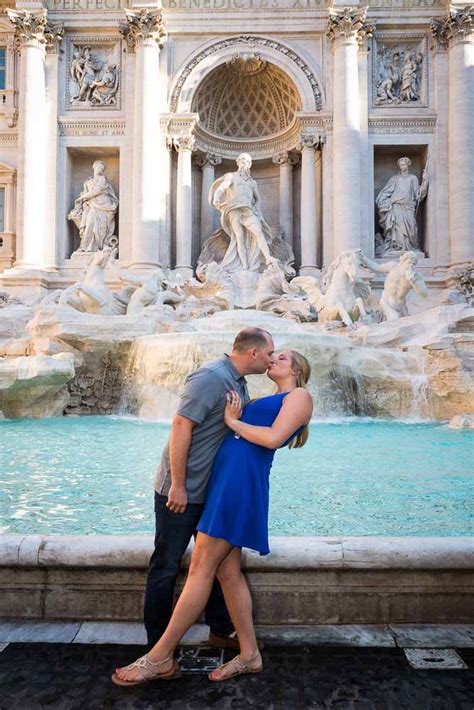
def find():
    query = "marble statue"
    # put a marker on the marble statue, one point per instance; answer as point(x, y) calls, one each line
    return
point(401, 278)
point(97, 81)
point(275, 295)
point(397, 204)
point(94, 212)
point(154, 289)
point(345, 290)
point(212, 291)
point(90, 294)
point(245, 242)
point(409, 81)
point(104, 90)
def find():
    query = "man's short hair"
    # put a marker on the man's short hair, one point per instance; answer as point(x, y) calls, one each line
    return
point(251, 338)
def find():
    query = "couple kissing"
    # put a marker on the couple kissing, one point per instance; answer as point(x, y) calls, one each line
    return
point(213, 482)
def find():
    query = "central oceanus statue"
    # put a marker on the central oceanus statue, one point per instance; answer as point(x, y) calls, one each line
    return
point(245, 246)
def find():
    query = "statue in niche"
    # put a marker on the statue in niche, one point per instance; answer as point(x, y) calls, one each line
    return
point(399, 76)
point(97, 81)
point(245, 242)
point(402, 277)
point(397, 204)
point(94, 212)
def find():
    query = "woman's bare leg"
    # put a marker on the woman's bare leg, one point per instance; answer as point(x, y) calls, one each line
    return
point(238, 601)
point(208, 553)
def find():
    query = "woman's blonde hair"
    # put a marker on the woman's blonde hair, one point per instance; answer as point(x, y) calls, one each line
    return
point(303, 373)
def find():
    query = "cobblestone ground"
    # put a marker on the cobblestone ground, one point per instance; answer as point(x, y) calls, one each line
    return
point(69, 676)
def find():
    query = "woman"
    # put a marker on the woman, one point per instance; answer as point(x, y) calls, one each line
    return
point(235, 515)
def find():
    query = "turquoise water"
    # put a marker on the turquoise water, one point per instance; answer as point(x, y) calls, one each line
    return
point(95, 474)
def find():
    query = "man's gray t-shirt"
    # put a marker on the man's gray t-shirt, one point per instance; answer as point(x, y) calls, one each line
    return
point(203, 401)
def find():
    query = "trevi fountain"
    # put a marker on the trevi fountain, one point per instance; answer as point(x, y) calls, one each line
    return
point(170, 174)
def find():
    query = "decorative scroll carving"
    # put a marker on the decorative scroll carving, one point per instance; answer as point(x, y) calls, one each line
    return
point(142, 26)
point(349, 23)
point(457, 26)
point(247, 40)
point(308, 140)
point(184, 143)
point(203, 159)
point(34, 26)
point(287, 157)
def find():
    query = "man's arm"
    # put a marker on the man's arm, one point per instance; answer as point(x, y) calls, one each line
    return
point(180, 441)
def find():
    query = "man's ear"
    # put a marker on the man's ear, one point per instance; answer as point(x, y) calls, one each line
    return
point(253, 353)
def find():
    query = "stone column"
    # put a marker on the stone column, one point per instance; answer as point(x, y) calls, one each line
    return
point(308, 217)
point(456, 33)
point(184, 206)
point(207, 162)
point(52, 225)
point(32, 35)
point(144, 31)
point(286, 161)
point(347, 28)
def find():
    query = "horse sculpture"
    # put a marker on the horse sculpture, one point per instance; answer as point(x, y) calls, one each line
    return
point(345, 290)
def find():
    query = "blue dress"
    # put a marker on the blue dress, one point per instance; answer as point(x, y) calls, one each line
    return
point(237, 496)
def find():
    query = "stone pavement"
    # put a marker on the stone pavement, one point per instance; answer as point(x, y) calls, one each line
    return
point(77, 676)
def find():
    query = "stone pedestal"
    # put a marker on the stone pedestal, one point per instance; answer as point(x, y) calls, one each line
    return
point(456, 33)
point(144, 31)
point(347, 28)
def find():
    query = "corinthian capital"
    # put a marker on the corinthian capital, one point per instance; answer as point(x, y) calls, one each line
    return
point(349, 24)
point(33, 26)
point(141, 26)
point(455, 27)
point(184, 143)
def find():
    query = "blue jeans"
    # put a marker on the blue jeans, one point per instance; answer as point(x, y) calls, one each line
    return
point(173, 534)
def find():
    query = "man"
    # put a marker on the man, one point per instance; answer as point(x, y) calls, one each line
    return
point(236, 196)
point(196, 433)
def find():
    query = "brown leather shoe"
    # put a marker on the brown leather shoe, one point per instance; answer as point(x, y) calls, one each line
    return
point(230, 641)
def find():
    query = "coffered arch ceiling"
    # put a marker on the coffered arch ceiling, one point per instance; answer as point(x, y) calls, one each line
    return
point(246, 97)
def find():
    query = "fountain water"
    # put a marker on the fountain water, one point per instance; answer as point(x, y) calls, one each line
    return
point(347, 378)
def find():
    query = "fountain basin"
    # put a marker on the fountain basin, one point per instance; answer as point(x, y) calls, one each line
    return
point(309, 580)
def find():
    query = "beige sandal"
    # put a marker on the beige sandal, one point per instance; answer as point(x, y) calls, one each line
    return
point(148, 671)
point(237, 666)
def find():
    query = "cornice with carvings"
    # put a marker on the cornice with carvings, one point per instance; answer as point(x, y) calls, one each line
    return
point(8, 137)
point(91, 127)
point(419, 124)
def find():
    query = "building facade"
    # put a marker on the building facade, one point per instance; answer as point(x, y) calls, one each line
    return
point(325, 98)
